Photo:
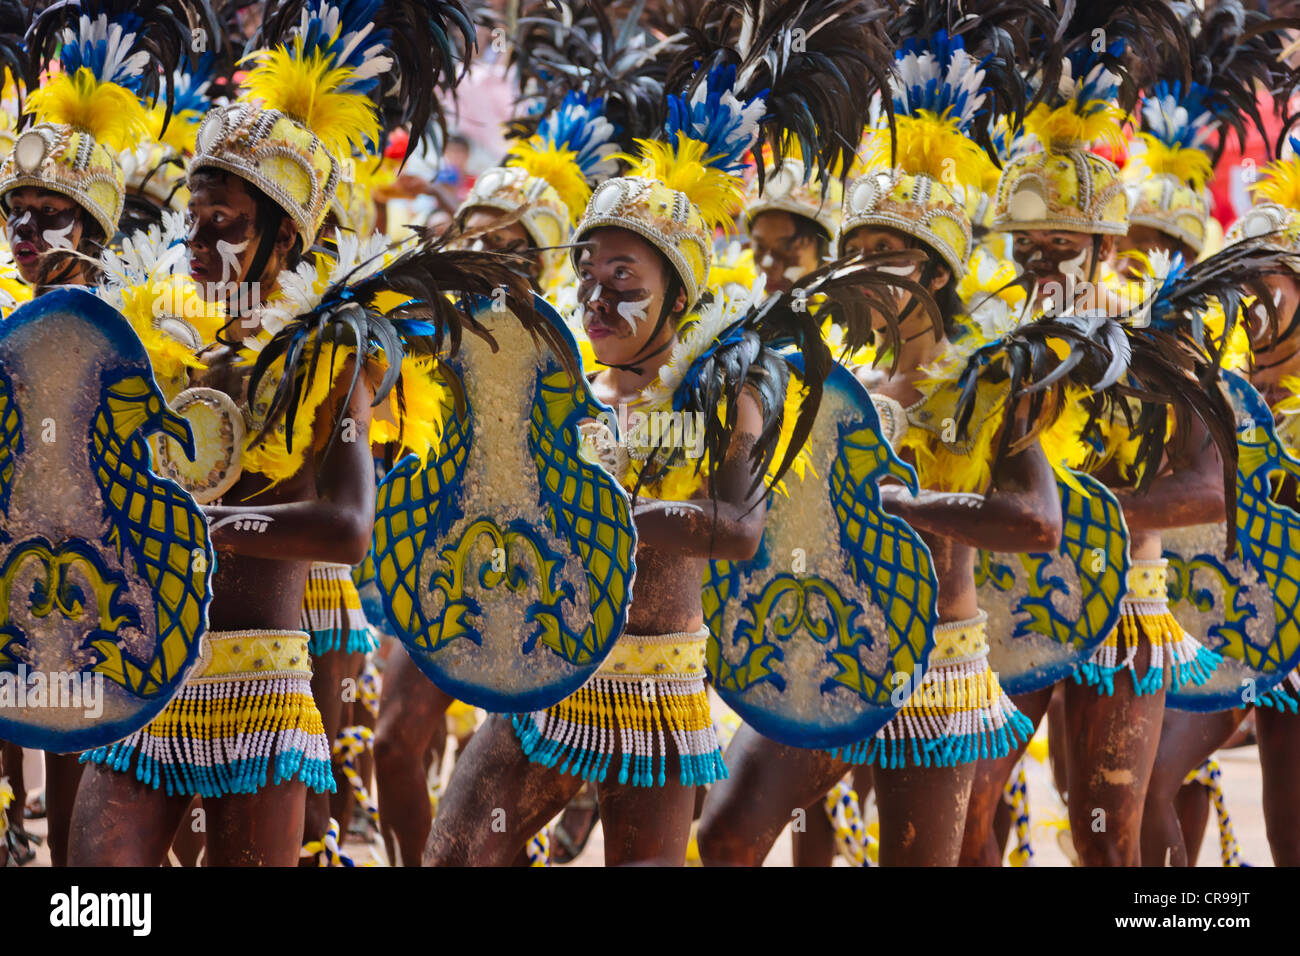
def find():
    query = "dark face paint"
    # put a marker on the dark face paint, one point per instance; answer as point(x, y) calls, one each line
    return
point(783, 257)
point(511, 240)
point(222, 235)
point(41, 223)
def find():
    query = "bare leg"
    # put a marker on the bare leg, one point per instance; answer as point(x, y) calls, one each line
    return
point(1193, 808)
point(980, 844)
point(1111, 746)
point(1279, 758)
point(257, 829)
point(647, 825)
point(495, 801)
point(923, 814)
point(62, 775)
point(411, 731)
point(1186, 739)
point(342, 800)
point(118, 821)
point(191, 837)
point(327, 674)
point(11, 766)
point(769, 785)
point(1056, 746)
point(816, 845)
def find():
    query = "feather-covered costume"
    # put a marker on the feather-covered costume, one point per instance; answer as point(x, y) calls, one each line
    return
point(310, 100)
point(737, 80)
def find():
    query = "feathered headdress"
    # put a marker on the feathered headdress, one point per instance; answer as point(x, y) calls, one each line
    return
point(313, 95)
point(954, 77)
point(105, 57)
point(1086, 89)
point(743, 79)
point(559, 47)
point(323, 58)
point(1234, 54)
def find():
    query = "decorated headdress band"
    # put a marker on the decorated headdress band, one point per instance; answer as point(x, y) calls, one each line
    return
point(108, 54)
point(918, 174)
point(310, 100)
point(1184, 124)
point(548, 178)
point(743, 78)
point(1085, 93)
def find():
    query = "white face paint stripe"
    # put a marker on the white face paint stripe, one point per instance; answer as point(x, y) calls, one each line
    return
point(767, 261)
point(896, 270)
point(58, 238)
point(24, 218)
point(229, 252)
point(596, 293)
point(634, 312)
point(1074, 267)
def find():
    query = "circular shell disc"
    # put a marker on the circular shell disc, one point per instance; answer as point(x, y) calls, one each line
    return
point(218, 429)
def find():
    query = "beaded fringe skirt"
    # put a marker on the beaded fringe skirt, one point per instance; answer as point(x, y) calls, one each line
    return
point(646, 701)
point(958, 712)
point(1145, 618)
point(332, 614)
point(247, 712)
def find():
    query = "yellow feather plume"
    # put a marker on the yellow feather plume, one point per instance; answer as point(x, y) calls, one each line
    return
point(932, 144)
point(181, 132)
point(271, 456)
point(110, 113)
point(420, 425)
point(556, 167)
point(738, 270)
point(940, 467)
point(1065, 125)
point(1281, 183)
point(1287, 414)
point(307, 90)
point(682, 167)
point(1190, 165)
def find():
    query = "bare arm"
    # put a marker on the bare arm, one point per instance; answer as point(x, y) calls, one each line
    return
point(734, 524)
point(334, 526)
point(1189, 493)
point(1020, 513)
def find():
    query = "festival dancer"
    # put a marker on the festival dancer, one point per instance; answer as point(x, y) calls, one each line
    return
point(299, 369)
point(643, 267)
point(520, 209)
point(62, 192)
point(1234, 54)
point(1273, 366)
point(1064, 207)
point(923, 760)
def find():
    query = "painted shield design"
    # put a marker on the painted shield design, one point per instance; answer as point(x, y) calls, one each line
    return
point(105, 567)
point(1243, 605)
point(1048, 612)
point(808, 638)
point(506, 560)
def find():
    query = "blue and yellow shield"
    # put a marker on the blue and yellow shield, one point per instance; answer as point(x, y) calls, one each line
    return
point(105, 568)
point(809, 638)
point(505, 560)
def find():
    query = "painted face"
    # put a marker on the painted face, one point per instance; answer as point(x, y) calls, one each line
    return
point(41, 222)
point(222, 235)
point(1281, 359)
point(1146, 240)
point(1056, 259)
point(880, 239)
point(622, 280)
point(784, 257)
point(510, 239)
